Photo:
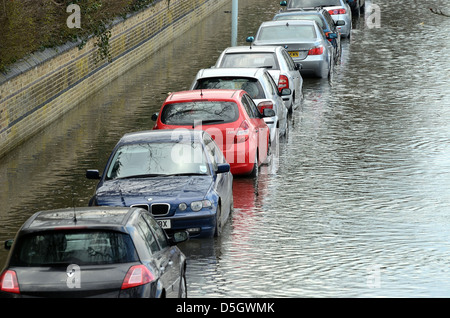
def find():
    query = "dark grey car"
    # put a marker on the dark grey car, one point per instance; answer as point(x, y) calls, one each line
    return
point(94, 252)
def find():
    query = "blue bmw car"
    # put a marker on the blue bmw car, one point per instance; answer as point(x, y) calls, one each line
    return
point(180, 176)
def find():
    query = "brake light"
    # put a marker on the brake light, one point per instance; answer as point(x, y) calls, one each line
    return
point(318, 50)
point(283, 82)
point(242, 133)
point(136, 276)
point(337, 11)
point(264, 105)
point(9, 283)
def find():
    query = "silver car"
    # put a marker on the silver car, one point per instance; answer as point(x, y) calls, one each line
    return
point(280, 65)
point(305, 41)
point(338, 9)
point(258, 83)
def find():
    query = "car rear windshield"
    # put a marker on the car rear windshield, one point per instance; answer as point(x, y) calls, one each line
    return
point(56, 248)
point(314, 17)
point(266, 60)
point(200, 112)
point(290, 32)
point(250, 85)
point(158, 159)
point(313, 3)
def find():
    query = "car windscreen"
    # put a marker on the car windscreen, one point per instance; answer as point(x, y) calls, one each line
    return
point(286, 32)
point(313, 3)
point(266, 60)
point(203, 112)
point(158, 159)
point(57, 248)
point(250, 85)
point(314, 17)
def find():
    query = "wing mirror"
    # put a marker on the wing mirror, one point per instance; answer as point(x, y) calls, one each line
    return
point(223, 168)
point(285, 92)
point(268, 112)
point(250, 39)
point(92, 174)
point(155, 116)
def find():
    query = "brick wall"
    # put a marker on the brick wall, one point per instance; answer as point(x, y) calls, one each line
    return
point(41, 91)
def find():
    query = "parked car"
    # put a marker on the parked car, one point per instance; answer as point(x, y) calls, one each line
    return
point(229, 116)
point(258, 83)
point(180, 177)
point(280, 65)
point(323, 19)
point(338, 9)
point(94, 252)
point(305, 41)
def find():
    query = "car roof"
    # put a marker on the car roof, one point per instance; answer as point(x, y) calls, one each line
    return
point(254, 49)
point(79, 218)
point(284, 22)
point(205, 94)
point(254, 72)
point(161, 135)
point(300, 12)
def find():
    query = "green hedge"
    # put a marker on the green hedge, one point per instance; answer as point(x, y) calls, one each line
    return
point(27, 26)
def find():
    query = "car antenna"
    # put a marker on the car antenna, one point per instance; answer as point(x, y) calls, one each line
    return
point(201, 92)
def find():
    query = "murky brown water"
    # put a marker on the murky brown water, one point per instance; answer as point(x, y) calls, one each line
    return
point(356, 205)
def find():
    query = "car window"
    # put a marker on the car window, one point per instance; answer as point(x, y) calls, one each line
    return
point(199, 112)
point(313, 17)
point(210, 151)
point(157, 230)
point(250, 107)
point(259, 59)
point(313, 3)
point(286, 32)
point(268, 82)
point(73, 247)
point(146, 234)
point(290, 63)
point(153, 159)
point(250, 85)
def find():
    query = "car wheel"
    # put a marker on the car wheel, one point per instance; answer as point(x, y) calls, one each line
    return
point(255, 170)
point(182, 291)
point(218, 229)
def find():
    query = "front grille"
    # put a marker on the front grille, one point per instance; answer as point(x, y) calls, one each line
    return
point(160, 208)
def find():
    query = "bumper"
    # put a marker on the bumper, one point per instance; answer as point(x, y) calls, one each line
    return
point(199, 224)
point(313, 64)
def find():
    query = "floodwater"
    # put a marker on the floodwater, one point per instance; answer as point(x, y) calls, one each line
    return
point(356, 203)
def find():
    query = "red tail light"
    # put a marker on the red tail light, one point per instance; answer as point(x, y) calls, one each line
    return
point(136, 276)
point(337, 11)
point(9, 283)
point(264, 105)
point(242, 133)
point(283, 82)
point(318, 50)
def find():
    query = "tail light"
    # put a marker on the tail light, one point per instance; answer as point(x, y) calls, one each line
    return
point(283, 82)
point(9, 283)
point(337, 11)
point(264, 105)
point(136, 276)
point(318, 50)
point(242, 133)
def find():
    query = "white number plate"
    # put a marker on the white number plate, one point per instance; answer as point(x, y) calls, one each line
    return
point(165, 224)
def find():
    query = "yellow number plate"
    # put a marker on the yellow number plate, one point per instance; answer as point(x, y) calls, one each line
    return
point(294, 54)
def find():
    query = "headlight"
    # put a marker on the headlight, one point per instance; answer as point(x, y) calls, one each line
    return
point(198, 205)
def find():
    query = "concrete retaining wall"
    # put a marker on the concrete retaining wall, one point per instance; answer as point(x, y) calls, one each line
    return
point(41, 88)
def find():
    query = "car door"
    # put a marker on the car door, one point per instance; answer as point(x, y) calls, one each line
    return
point(260, 127)
point(166, 257)
point(281, 109)
point(295, 74)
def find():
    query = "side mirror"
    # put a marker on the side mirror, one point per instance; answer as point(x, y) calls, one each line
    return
point(339, 22)
point(298, 66)
point(92, 174)
point(267, 112)
point(223, 168)
point(332, 36)
point(155, 116)
point(250, 39)
point(8, 244)
point(179, 237)
point(283, 3)
point(285, 92)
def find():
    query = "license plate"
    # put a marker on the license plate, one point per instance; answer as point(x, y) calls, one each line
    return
point(294, 54)
point(165, 224)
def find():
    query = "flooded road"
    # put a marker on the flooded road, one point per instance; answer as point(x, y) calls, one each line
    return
point(357, 202)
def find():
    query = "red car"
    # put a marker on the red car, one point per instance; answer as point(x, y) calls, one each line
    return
point(229, 116)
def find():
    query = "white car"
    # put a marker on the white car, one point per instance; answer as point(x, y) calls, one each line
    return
point(339, 10)
point(258, 83)
point(275, 59)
